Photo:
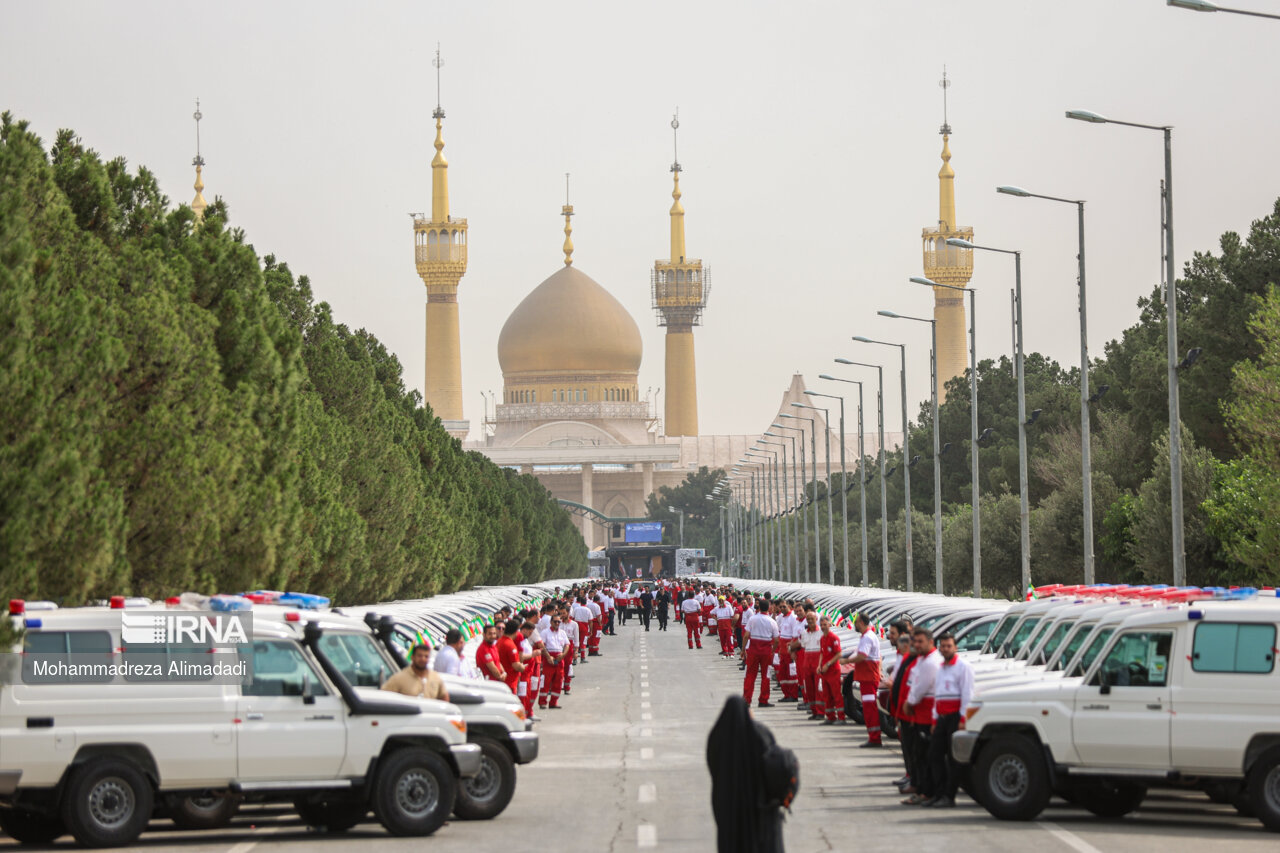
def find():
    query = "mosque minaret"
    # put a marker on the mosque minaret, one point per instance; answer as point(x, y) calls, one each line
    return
point(948, 265)
point(680, 286)
point(440, 252)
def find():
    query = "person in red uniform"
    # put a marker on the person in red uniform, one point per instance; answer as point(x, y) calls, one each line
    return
point(723, 614)
point(691, 611)
point(582, 615)
point(509, 655)
point(788, 631)
point(487, 660)
point(866, 671)
point(829, 673)
point(761, 636)
point(555, 649)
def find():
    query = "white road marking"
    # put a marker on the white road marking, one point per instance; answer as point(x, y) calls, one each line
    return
point(646, 835)
point(1068, 838)
point(246, 846)
point(646, 716)
point(646, 733)
point(646, 753)
point(646, 705)
point(644, 694)
point(644, 684)
point(648, 793)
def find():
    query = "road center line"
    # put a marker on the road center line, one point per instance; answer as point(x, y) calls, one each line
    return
point(646, 753)
point(1067, 837)
point(648, 793)
point(646, 733)
point(646, 835)
point(246, 846)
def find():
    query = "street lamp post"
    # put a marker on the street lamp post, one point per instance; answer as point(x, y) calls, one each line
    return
point(973, 426)
point(788, 547)
point(761, 459)
point(817, 531)
point(884, 499)
point(1171, 312)
point(1020, 369)
point(679, 510)
point(1205, 6)
point(831, 545)
point(1086, 451)
point(937, 458)
point(793, 519)
point(862, 483)
point(802, 520)
point(844, 487)
point(906, 457)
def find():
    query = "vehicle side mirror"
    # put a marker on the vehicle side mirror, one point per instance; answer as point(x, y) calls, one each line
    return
point(307, 697)
point(1104, 682)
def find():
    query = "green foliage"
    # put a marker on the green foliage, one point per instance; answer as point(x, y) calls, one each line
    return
point(177, 413)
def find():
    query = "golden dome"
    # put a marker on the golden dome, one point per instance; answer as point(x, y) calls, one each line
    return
point(569, 324)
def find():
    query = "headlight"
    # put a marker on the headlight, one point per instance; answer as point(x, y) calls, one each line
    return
point(974, 707)
point(518, 710)
point(458, 723)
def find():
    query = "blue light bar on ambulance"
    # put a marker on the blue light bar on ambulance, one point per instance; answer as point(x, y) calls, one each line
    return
point(303, 600)
point(229, 603)
point(33, 623)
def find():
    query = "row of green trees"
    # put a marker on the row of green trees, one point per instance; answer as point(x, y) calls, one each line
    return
point(1229, 307)
point(177, 413)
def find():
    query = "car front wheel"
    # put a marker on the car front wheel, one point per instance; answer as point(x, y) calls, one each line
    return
point(1011, 778)
point(415, 792)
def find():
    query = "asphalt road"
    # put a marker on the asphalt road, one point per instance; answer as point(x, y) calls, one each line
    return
point(622, 768)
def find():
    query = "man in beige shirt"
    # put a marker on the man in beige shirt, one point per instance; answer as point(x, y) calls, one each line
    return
point(416, 679)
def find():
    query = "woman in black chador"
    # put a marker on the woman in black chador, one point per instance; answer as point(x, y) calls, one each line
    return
point(745, 821)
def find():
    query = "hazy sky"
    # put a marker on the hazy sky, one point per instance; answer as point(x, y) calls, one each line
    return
point(809, 141)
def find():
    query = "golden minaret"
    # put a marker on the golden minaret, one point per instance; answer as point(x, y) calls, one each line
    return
point(440, 250)
point(198, 204)
point(948, 265)
point(680, 287)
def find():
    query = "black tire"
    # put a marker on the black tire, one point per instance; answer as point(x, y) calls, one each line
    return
point(202, 811)
point(1223, 793)
point(1263, 786)
point(852, 698)
point(30, 827)
point(1106, 798)
point(331, 815)
point(487, 794)
point(415, 792)
point(1011, 778)
point(107, 803)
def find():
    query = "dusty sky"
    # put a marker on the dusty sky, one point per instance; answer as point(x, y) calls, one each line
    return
point(809, 141)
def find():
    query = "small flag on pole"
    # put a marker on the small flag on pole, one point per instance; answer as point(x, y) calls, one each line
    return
point(1031, 592)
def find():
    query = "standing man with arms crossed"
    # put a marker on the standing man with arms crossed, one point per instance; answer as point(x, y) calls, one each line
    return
point(866, 672)
point(919, 708)
point(488, 658)
point(953, 690)
point(761, 635)
point(828, 676)
point(788, 632)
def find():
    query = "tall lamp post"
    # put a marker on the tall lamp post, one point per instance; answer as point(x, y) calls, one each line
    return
point(844, 486)
point(680, 511)
point(1171, 312)
point(817, 525)
point(906, 456)
point(765, 487)
point(802, 520)
point(792, 559)
point(831, 524)
point(937, 457)
point(862, 483)
point(1205, 6)
point(1019, 368)
point(1085, 441)
point(973, 426)
point(884, 499)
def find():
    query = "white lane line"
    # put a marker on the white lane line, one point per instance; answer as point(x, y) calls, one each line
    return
point(246, 846)
point(646, 716)
point(646, 705)
point(646, 733)
point(1068, 838)
point(644, 684)
point(648, 793)
point(644, 694)
point(646, 753)
point(646, 835)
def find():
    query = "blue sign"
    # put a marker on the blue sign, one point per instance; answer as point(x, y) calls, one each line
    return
point(644, 532)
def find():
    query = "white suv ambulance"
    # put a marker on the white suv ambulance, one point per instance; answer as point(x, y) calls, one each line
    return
point(92, 758)
point(1183, 696)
